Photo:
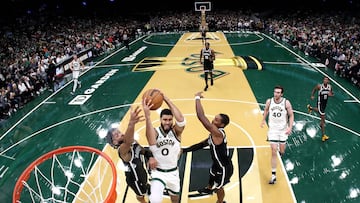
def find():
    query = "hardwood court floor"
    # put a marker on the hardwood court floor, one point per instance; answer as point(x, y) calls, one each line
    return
point(311, 171)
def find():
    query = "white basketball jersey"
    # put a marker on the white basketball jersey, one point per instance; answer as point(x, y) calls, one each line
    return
point(167, 149)
point(277, 115)
point(76, 65)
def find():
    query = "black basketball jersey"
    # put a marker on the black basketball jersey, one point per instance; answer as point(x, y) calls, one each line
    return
point(220, 153)
point(323, 93)
point(134, 168)
point(207, 54)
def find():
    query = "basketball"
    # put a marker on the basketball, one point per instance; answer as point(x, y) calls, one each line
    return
point(155, 96)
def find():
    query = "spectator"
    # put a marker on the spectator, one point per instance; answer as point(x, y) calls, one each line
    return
point(59, 77)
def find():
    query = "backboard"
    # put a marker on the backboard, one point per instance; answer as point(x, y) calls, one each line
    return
point(202, 6)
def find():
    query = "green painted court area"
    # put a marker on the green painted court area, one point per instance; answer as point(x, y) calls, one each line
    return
point(316, 171)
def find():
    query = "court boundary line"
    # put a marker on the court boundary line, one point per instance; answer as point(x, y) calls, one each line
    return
point(60, 123)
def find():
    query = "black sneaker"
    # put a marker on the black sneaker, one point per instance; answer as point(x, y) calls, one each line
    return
point(205, 191)
point(206, 87)
point(212, 82)
point(148, 190)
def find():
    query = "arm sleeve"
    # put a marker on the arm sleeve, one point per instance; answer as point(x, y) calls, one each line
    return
point(196, 146)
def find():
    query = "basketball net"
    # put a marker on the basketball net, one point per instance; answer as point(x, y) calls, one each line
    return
point(69, 174)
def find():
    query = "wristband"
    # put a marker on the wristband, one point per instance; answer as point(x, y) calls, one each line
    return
point(197, 97)
point(181, 124)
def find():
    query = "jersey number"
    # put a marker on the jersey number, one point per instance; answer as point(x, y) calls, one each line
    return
point(278, 114)
point(165, 152)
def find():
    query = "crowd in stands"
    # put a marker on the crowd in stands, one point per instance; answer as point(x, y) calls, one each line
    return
point(330, 37)
point(31, 48)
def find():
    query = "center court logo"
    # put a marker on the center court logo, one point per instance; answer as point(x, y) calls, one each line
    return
point(81, 99)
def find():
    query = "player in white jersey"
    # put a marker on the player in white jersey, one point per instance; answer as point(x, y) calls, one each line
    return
point(164, 142)
point(280, 122)
point(203, 33)
point(76, 66)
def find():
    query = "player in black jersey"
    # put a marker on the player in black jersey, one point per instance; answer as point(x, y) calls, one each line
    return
point(324, 92)
point(222, 167)
point(207, 58)
point(131, 153)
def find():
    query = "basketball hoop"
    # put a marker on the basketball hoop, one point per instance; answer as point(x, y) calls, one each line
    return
point(203, 6)
point(68, 174)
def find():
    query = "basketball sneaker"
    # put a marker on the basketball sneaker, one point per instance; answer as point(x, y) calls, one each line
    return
point(206, 87)
point(205, 191)
point(309, 108)
point(148, 190)
point(272, 180)
point(324, 138)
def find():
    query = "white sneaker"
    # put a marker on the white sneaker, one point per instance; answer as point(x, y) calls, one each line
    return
point(273, 179)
